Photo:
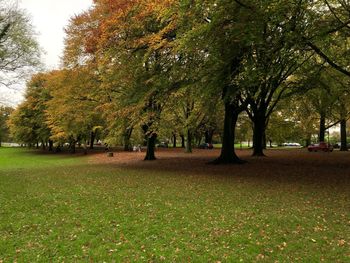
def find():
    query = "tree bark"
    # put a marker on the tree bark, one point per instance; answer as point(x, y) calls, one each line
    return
point(126, 138)
point(92, 140)
point(189, 141)
point(50, 145)
point(264, 139)
point(182, 141)
point(308, 140)
point(228, 155)
point(174, 140)
point(322, 132)
point(258, 135)
point(209, 135)
point(151, 142)
point(343, 139)
point(72, 146)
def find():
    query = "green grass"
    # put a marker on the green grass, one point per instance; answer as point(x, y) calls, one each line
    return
point(60, 208)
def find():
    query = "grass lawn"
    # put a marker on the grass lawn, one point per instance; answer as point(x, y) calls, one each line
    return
point(56, 208)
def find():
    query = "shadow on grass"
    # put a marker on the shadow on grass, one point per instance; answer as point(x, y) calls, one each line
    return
point(279, 166)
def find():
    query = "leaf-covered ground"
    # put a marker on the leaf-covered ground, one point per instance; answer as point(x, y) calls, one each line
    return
point(290, 206)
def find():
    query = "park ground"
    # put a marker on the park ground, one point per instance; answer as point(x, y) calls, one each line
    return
point(292, 206)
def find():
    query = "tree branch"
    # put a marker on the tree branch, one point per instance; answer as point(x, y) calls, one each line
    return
point(327, 59)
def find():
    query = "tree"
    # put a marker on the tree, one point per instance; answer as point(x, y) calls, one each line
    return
point(212, 32)
point(5, 113)
point(28, 122)
point(19, 50)
point(71, 112)
point(275, 55)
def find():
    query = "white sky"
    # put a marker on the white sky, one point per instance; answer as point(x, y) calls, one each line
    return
point(49, 18)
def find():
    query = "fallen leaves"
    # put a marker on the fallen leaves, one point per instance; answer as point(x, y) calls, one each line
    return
point(341, 242)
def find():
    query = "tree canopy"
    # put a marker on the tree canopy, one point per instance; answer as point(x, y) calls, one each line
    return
point(139, 70)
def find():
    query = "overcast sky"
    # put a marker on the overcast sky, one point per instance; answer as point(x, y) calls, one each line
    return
point(49, 18)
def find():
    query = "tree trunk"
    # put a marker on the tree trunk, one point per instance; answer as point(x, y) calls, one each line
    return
point(50, 146)
point(198, 140)
point(209, 136)
point(258, 135)
point(126, 138)
point(58, 148)
point(182, 141)
point(92, 140)
point(228, 155)
point(321, 136)
point(145, 129)
point(189, 141)
point(72, 147)
point(43, 145)
point(174, 140)
point(308, 140)
point(151, 142)
point(343, 139)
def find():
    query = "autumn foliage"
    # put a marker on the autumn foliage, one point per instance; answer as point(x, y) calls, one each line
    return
point(137, 70)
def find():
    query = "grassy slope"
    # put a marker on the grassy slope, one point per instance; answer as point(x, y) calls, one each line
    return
point(57, 208)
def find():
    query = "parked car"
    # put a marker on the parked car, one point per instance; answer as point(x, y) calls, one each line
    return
point(206, 146)
point(291, 144)
point(163, 145)
point(338, 145)
point(322, 146)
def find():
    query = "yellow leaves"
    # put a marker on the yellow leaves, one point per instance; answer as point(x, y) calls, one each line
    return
point(341, 242)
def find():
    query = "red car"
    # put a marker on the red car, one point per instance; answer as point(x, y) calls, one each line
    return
point(322, 146)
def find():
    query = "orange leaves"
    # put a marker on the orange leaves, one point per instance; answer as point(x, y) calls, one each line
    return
point(82, 36)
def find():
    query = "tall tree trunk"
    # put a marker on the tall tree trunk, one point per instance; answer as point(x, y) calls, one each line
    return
point(151, 142)
point(228, 155)
point(264, 139)
point(258, 135)
point(174, 140)
point(209, 135)
point(198, 140)
point(126, 138)
point(189, 141)
point(343, 139)
point(50, 145)
point(182, 141)
point(92, 140)
point(322, 132)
